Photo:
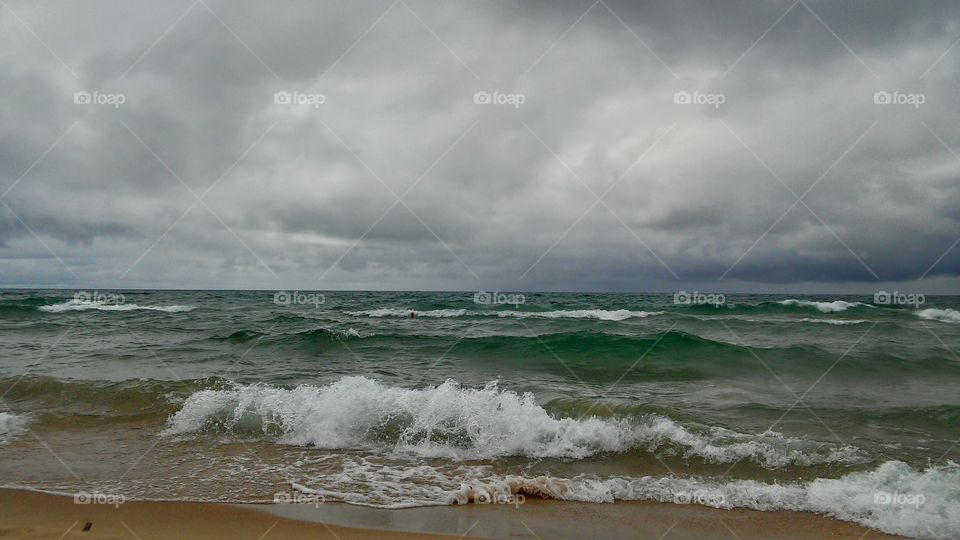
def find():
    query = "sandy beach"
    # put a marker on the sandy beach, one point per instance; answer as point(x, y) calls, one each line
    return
point(29, 514)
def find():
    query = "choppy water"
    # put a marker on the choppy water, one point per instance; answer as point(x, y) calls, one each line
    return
point(824, 404)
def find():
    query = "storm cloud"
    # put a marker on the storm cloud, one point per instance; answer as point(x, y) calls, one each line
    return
point(481, 144)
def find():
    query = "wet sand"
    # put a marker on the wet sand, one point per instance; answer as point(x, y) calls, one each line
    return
point(26, 514)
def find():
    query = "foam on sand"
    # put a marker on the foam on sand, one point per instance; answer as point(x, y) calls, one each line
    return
point(892, 497)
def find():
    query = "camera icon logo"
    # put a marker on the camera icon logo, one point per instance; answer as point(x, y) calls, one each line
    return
point(282, 298)
point(682, 98)
point(882, 98)
point(681, 297)
point(82, 98)
point(282, 98)
point(882, 298)
point(482, 98)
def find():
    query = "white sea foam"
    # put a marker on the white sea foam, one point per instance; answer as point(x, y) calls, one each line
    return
point(83, 305)
point(11, 427)
point(942, 315)
point(395, 312)
point(452, 421)
point(601, 314)
point(835, 322)
point(824, 307)
point(892, 498)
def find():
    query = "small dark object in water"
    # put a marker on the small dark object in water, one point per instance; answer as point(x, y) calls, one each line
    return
point(86, 528)
point(413, 315)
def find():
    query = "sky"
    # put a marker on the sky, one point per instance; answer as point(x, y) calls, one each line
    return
point(781, 146)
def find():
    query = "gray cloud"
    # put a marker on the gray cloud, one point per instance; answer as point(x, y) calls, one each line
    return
point(493, 195)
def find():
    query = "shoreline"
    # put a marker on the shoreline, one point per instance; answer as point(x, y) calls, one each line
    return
point(33, 514)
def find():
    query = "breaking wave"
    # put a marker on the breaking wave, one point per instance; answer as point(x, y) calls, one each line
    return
point(467, 423)
point(824, 307)
point(600, 314)
point(11, 427)
point(84, 305)
point(942, 315)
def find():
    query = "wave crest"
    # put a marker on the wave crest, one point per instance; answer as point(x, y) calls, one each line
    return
point(942, 315)
point(824, 307)
point(453, 421)
point(11, 427)
point(84, 305)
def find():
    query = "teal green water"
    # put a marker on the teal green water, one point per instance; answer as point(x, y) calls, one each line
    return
point(235, 395)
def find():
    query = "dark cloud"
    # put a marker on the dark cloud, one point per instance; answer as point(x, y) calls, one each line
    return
point(493, 195)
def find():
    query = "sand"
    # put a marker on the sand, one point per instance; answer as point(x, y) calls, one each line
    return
point(26, 514)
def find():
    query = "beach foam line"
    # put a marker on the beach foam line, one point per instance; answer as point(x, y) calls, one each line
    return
point(451, 421)
point(84, 305)
point(893, 497)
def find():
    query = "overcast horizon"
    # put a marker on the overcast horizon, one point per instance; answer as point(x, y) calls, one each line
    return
point(783, 147)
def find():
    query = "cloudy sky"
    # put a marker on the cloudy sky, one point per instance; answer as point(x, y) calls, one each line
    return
point(763, 146)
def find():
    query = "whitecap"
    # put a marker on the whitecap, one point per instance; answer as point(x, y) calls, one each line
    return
point(471, 423)
point(11, 427)
point(942, 315)
point(824, 307)
point(84, 305)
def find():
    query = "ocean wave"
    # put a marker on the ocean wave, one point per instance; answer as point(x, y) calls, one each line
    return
point(453, 421)
point(893, 497)
point(835, 322)
point(824, 307)
point(600, 314)
point(83, 305)
point(942, 315)
point(396, 312)
point(11, 427)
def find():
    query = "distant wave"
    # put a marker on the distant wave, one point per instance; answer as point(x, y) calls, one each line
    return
point(451, 420)
point(824, 307)
point(600, 314)
point(835, 322)
point(395, 312)
point(11, 427)
point(80, 305)
point(942, 315)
